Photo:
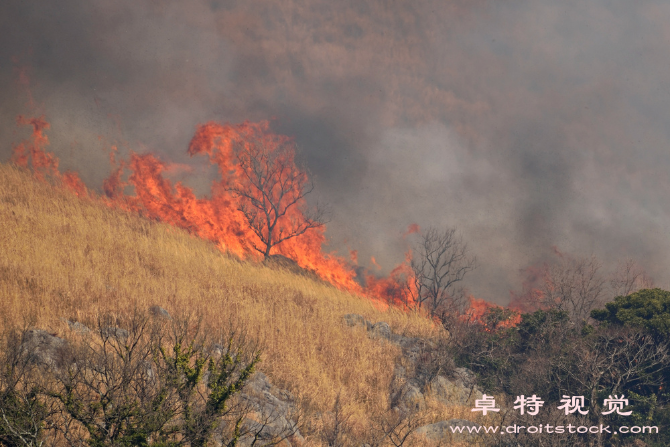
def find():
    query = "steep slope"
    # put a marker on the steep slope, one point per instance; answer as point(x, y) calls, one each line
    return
point(64, 257)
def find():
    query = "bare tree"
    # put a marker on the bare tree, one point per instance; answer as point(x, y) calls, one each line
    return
point(628, 278)
point(396, 427)
point(22, 414)
point(157, 382)
point(271, 192)
point(337, 427)
point(574, 285)
point(440, 262)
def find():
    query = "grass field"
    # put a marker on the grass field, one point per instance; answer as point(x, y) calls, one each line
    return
point(67, 257)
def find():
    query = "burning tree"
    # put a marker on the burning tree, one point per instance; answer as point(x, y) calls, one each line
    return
point(271, 193)
point(267, 185)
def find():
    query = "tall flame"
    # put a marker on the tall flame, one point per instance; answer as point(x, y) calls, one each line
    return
point(32, 154)
point(218, 217)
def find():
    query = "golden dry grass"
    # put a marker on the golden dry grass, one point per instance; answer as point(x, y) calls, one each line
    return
point(66, 257)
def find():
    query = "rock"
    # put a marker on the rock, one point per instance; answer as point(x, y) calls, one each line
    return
point(159, 312)
point(381, 330)
point(354, 320)
point(271, 412)
point(456, 391)
point(410, 398)
point(402, 341)
point(76, 326)
point(114, 332)
point(44, 349)
point(443, 429)
point(465, 377)
point(281, 262)
point(217, 350)
point(377, 330)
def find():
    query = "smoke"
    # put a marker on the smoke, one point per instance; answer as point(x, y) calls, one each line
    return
point(524, 124)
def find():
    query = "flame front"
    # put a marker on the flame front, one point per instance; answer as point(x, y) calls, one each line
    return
point(32, 154)
point(480, 312)
point(218, 218)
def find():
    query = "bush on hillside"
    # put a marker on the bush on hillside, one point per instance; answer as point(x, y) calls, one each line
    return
point(135, 381)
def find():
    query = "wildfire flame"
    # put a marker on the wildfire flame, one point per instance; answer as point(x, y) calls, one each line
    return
point(217, 218)
point(32, 153)
point(412, 229)
point(532, 296)
point(479, 309)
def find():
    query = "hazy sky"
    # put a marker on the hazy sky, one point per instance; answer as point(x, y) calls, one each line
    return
point(525, 124)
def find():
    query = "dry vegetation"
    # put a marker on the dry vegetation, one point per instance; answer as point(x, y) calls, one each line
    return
point(66, 257)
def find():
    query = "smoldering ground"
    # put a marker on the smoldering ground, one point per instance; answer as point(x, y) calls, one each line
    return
point(525, 124)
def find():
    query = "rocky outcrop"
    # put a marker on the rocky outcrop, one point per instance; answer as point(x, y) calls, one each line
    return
point(281, 262)
point(409, 398)
point(45, 349)
point(414, 386)
point(271, 415)
point(114, 332)
point(458, 389)
point(354, 320)
point(159, 312)
point(381, 330)
point(76, 326)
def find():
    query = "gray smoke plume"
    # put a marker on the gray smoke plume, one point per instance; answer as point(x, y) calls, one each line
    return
point(525, 124)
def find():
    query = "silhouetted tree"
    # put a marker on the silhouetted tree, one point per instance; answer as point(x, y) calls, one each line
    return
point(574, 285)
point(628, 278)
point(440, 261)
point(271, 192)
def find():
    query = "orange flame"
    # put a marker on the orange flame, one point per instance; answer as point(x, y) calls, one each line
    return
point(478, 310)
point(353, 255)
point(216, 218)
point(531, 297)
point(32, 154)
point(412, 229)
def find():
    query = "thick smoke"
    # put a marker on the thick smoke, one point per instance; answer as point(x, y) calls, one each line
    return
point(524, 124)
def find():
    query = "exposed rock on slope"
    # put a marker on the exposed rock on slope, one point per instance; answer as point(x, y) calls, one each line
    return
point(45, 349)
point(414, 384)
point(271, 416)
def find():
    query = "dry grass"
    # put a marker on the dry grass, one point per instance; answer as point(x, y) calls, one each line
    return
point(64, 257)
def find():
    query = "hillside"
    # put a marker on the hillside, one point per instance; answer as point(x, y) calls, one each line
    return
point(64, 257)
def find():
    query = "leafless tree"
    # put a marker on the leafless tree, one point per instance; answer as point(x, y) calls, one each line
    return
point(134, 380)
point(396, 428)
point(440, 261)
point(574, 285)
point(613, 360)
point(22, 415)
point(628, 278)
point(271, 192)
point(337, 427)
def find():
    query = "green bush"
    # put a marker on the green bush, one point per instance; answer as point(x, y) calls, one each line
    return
point(154, 382)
